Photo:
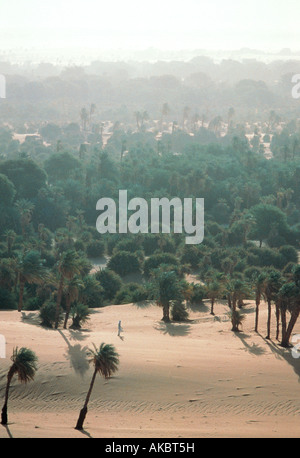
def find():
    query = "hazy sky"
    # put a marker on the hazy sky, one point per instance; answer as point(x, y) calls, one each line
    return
point(139, 24)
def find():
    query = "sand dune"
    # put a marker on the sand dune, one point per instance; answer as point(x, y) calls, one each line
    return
point(195, 379)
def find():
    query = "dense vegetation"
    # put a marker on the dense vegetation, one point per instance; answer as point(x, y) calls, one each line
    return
point(50, 184)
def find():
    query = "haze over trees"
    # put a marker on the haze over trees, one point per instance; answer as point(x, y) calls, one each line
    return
point(227, 132)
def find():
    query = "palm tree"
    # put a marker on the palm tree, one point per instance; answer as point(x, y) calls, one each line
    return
point(258, 284)
point(214, 291)
point(138, 119)
point(166, 288)
point(25, 209)
point(92, 111)
point(237, 319)
point(271, 287)
point(10, 236)
point(84, 118)
point(230, 115)
point(288, 299)
point(24, 365)
point(8, 273)
point(164, 112)
point(68, 266)
point(239, 291)
point(80, 314)
point(73, 287)
point(31, 270)
point(106, 361)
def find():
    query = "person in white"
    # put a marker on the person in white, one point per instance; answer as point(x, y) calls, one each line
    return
point(119, 328)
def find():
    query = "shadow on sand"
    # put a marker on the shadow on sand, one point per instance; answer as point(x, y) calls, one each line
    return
point(31, 318)
point(86, 433)
point(199, 307)
point(77, 355)
point(252, 348)
point(173, 329)
point(8, 431)
point(285, 354)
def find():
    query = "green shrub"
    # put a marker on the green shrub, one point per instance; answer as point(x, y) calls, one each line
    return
point(179, 311)
point(47, 314)
point(95, 249)
point(110, 281)
point(156, 260)
point(131, 292)
point(124, 263)
point(289, 254)
point(198, 293)
point(8, 300)
point(79, 314)
point(92, 292)
point(33, 303)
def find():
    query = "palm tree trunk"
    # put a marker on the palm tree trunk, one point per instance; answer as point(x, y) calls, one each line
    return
point(277, 321)
point(283, 327)
point(21, 294)
point(58, 300)
point(166, 312)
point(83, 412)
point(234, 302)
point(257, 302)
point(269, 320)
point(68, 306)
point(285, 341)
point(212, 306)
point(4, 408)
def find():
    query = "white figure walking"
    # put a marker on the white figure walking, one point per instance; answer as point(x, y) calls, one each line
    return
point(120, 329)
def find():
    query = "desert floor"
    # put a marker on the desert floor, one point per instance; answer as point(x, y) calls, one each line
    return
point(189, 380)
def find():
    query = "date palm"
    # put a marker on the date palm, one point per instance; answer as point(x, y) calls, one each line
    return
point(288, 300)
point(68, 266)
point(8, 273)
point(271, 287)
point(258, 286)
point(106, 361)
point(165, 288)
point(237, 319)
point(31, 270)
point(24, 366)
point(10, 236)
point(239, 290)
point(72, 293)
point(25, 209)
point(214, 290)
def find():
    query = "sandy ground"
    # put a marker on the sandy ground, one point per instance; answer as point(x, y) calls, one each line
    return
point(196, 379)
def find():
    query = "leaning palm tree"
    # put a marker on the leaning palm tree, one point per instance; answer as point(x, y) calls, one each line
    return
point(31, 270)
point(288, 300)
point(24, 366)
point(106, 361)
